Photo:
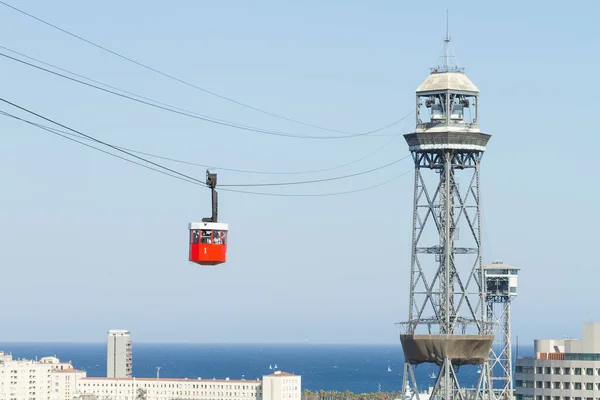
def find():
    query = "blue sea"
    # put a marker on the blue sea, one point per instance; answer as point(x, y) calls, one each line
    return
point(358, 368)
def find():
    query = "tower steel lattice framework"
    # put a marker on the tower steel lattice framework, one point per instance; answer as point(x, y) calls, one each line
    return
point(500, 290)
point(447, 322)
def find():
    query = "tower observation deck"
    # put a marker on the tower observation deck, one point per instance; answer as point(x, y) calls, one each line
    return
point(447, 323)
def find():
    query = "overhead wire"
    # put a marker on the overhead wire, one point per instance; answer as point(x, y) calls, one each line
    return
point(171, 172)
point(192, 114)
point(55, 131)
point(189, 162)
point(350, 134)
point(213, 166)
point(100, 141)
point(321, 194)
point(317, 180)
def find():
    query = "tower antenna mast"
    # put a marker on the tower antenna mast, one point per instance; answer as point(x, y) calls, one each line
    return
point(447, 44)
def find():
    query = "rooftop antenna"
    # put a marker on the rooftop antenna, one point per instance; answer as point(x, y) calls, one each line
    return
point(447, 44)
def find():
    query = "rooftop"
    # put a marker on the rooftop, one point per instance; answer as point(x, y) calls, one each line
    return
point(67, 370)
point(281, 373)
point(440, 81)
point(499, 266)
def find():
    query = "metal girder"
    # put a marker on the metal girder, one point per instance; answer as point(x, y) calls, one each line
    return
point(500, 357)
point(446, 284)
point(439, 250)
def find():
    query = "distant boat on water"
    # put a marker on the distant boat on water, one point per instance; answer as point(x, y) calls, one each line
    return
point(389, 369)
point(270, 366)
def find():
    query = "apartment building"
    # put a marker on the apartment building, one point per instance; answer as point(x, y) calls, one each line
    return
point(118, 354)
point(44, 379)
point(566, 369)
point(281, 385)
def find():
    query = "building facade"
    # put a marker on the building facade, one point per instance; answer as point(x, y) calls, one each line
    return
point(567, 369)
point(51, 379)
point(277, 386)
point(281, 385)
point(46, 379)
point(118, 354)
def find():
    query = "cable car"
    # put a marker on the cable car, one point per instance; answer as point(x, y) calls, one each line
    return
point(208, 239)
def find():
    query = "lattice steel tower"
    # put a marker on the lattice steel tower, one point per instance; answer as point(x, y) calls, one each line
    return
point(447, 323)
point(500, 290)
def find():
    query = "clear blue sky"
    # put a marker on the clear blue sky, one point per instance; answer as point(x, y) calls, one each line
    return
point(91, 243)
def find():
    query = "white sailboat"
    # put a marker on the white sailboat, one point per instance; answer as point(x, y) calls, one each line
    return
point(389, 369)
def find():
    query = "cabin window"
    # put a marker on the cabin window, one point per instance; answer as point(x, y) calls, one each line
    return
point(217, 237)
point(205, 236)
point(194, 236)
point(220, 237)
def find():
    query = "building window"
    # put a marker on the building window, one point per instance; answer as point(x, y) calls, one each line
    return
point(589, 371)
point(566, 385)
point(567, 371)
point(557, 371)
point(538, 384)
point(577, 371)
point(589, 386)
point(539, 370)
point(548, 370)
point(556, 385)
point(577, 385)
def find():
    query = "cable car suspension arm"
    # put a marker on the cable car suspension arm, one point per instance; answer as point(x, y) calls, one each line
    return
point(211, 182)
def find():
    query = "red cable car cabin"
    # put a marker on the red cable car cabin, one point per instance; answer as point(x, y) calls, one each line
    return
point(208, 243)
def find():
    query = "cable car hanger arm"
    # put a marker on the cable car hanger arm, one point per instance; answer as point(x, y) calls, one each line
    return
point(211, 182)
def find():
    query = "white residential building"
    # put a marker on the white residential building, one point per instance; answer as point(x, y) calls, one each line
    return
point(118, 354)
point(64, 383)
point(281, 385)
point(567, 369)
point(23, 379)
point(169, 388)
point(50, 379)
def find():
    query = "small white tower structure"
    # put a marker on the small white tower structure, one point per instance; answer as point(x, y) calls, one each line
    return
point(500, 289)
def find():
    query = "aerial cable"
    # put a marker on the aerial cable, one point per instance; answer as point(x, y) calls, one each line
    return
point(185, 82)
point(101, 142)
point(193, 114)
point(56, 132)
point(319, 180)
point(212, 166)
point(195, 182)
point(320, 194)
point(187, 177)
point(212, 119)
